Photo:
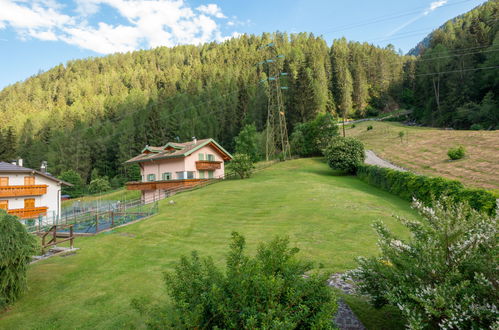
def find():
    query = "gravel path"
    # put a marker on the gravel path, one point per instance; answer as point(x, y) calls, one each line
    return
point(373, 159)
point(345, 319)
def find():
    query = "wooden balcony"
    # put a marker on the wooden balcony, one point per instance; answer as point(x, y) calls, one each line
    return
point(207, 165)
point(165, 185)
point(28, 190)
point(29, 213)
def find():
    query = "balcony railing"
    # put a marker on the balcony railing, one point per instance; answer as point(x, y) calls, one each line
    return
point(29, 213)
point(166, 184)
point(207, 165)
point(27, 190)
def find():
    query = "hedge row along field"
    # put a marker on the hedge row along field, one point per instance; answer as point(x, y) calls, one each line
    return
point(423, 188)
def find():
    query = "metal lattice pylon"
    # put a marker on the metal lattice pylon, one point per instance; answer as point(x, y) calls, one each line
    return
point(277, 140)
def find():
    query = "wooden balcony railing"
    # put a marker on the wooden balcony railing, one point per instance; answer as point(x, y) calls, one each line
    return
point(166, 185)
point(27, 190)
point(207, 165)
point(29, 213)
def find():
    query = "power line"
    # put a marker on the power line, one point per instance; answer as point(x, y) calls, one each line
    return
point(388, 17)
point(456, 71)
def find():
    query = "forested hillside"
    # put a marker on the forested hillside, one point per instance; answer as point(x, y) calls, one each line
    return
point(457, 75)
point(96, 113)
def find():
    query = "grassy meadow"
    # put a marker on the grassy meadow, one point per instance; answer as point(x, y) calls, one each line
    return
point(423, 150)
point(328, 216)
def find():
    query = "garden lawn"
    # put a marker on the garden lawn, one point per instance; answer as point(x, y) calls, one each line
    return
point(326, 215)
point(423, 150)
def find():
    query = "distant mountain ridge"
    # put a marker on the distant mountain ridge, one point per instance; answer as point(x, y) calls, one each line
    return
point(425, 43)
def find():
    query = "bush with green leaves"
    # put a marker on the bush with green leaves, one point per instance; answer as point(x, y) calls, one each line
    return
point(444, 276)
point(78, 187)
point(240, 165)
point(310, 138)
point(408, 186)
point(476, 127)
point(268, 291)
point(99, 185)
point(17, 247)
point(370, 127)
point(247, 142)
point(456, 153)
point(345, 154)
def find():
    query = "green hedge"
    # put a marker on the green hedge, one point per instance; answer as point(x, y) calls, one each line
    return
point(423, 188)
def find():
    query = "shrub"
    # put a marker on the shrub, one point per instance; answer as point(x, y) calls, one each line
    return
point(370, 127)
point(423, 188)
point(241, 165)
point(16, 250)
point(268, 291)
point(476, 127)
point(353, 126)
point(77, 188)
point(99, 185)
point(247, 142)
point(345, 153)
point(310, 138)
point(444, 276)
point(456, 153)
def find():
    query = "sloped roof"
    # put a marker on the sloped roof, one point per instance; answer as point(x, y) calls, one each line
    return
point(179, 150)
point(11, 168)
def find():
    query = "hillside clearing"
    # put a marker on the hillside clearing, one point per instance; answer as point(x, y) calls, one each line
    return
point(327, 216)
point(423, 150)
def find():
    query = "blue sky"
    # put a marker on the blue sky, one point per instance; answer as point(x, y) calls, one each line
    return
point(39, 34)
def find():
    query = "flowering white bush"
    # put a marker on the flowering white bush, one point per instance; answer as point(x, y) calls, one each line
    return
point(444, 276)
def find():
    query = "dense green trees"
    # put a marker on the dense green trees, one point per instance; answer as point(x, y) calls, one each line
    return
point(96, 113)
point(456, 78)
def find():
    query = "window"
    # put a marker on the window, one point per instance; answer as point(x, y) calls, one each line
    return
point(29, 203)
point(4, 181)
point(190, 175)
point(210, 174)
point(201, 174)
point(167, 176)
point(4, 205)
point(180, 175)
point(151, 177)
point(210, 157)
point(29, 180)
point(201, 156)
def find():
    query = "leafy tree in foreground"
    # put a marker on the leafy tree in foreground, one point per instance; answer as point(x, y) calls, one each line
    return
point(268, 291)
point(310, 138)
point(345, 154)
point(247, 142)
point(242, 165)
point(16, 250)
point(444, 276)
point(71, 176)
point(99, 185)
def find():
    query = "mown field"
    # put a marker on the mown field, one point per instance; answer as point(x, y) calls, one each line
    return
point(328, 216)
point(424, 151)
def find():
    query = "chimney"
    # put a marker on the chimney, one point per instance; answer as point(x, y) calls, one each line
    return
point(43, 167)
point(20, 162)
point(194, 140)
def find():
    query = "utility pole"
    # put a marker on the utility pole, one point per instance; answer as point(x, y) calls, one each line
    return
point(276, 128)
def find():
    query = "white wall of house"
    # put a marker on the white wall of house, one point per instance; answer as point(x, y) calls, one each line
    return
point(52, 199)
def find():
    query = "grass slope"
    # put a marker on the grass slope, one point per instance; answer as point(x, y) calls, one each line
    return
point(328, 217)
point(423, 150)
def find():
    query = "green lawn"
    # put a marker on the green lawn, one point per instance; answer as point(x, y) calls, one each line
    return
point(327, 216)
point(115, 195)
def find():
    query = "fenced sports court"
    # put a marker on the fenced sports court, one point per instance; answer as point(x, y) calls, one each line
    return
point(90, 218)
